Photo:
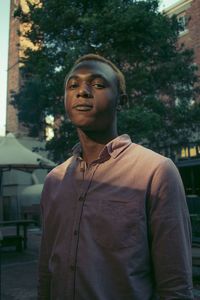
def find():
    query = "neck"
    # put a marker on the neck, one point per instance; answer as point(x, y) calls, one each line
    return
point(93, 142)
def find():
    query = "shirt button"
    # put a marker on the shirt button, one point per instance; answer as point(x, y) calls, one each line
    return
point(72, 268)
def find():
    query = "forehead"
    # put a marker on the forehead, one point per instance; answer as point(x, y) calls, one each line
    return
point(91, 68)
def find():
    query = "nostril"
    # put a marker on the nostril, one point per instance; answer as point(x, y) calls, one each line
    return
point(84, 93)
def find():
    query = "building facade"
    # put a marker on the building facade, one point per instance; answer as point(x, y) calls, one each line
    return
point(17, 45)
point(188, 15)
point(14, 181)
point(13, 79)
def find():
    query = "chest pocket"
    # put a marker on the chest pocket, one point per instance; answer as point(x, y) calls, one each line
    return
point(116, 224)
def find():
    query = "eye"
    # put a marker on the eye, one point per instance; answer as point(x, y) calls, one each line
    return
point(98, 85)
point(72, 85)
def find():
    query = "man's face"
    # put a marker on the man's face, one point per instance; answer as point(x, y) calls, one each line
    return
point(91, 94)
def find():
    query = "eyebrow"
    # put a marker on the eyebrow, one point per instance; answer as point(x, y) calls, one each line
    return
point(89, 76)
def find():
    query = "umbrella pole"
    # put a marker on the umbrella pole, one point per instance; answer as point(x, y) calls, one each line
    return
point(1, 196)
point(1, 238)
point(1, 219)
point(18, 208)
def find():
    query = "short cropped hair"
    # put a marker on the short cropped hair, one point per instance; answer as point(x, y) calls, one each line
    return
point(119, 75)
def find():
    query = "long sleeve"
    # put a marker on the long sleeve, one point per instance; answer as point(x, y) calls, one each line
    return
point(43, 272)
point(170, 232)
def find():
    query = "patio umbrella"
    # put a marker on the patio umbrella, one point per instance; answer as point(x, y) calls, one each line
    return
point(31, 194)
point(30, 202)
point(14, 155)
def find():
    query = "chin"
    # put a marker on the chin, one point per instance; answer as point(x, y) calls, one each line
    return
point(91, 125)
point(83, 124)
point(86, 128)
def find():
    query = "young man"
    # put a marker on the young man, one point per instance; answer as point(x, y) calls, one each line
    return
point(115, 219)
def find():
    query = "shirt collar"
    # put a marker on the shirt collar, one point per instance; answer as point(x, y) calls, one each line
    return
point(112, 149)
point(119, 144)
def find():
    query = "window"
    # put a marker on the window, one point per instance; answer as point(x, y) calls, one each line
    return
point(183, 22)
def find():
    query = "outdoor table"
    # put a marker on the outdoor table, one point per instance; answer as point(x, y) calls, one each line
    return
point(195, 222)
point(19, 224)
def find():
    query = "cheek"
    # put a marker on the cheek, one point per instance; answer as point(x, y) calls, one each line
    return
point(65, 101)
point(107, 104)
point(66, 104)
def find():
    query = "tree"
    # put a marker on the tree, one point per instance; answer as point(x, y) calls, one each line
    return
point(132, 33)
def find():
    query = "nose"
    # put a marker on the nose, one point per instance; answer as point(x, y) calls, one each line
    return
point(84, 91)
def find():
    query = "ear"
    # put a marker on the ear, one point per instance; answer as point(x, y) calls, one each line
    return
point(122, 102)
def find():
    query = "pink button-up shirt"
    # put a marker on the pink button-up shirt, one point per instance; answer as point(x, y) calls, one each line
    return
point(117, 229)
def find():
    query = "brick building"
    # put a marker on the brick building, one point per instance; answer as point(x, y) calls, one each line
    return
point(14, 181)
point(13, 83)
point(188, 14)
point(17, 45)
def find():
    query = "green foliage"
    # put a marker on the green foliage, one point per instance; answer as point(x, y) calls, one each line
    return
point(135, 36)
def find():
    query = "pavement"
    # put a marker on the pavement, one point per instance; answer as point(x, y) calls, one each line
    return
point(19, 270)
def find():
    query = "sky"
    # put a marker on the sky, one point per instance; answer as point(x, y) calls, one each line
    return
point(4, 34)
point(166, 3)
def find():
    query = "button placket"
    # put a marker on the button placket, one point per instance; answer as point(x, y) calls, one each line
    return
point(82, 193)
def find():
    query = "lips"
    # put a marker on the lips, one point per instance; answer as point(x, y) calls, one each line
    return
point(82, 107)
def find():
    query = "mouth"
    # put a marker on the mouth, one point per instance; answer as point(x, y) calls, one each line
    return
point(83, 107)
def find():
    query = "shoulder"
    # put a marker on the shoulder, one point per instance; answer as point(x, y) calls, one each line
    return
point(161, 165)
point(164, 178)
point(165, 187)
point(153, 166)
point(147, 153)
point(146, 159)
point(53, 180)
point(58, 172)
